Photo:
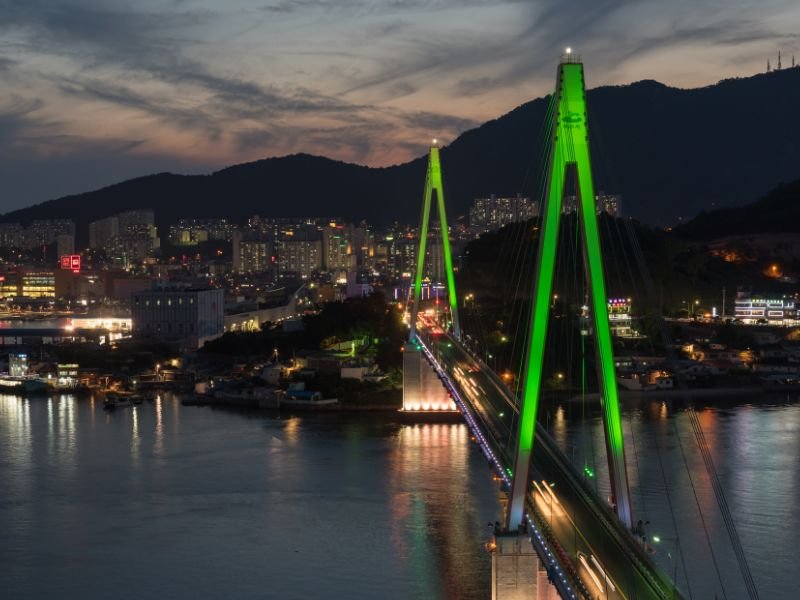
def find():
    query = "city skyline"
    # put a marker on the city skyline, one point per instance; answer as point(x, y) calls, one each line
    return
point(96, 94)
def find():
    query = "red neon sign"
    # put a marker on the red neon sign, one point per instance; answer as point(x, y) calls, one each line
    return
point(71, 262)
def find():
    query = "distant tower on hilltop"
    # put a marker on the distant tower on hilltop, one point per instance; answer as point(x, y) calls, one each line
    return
point(779, 61)
point(792, 60)
point(768, 67)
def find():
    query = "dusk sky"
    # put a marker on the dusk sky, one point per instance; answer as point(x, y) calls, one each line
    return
point(94, 92)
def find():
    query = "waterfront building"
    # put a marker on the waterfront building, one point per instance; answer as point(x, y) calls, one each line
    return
point(184, 316)
point(17, 365)
point(37, 283)
point(619, 317)
point(757, 309)
point(9, 284)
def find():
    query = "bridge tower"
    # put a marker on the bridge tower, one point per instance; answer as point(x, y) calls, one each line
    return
point(569, 153)
point(433, 183)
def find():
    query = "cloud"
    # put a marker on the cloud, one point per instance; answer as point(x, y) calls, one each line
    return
point(15, 118)
point(208, 83)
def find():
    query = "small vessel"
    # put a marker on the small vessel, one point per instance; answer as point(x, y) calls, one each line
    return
point(22, 385)
point(117, 400)
point(307, 400)
point(263, 397)
point(781, 382)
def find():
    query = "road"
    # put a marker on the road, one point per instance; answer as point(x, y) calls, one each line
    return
point(611, 562)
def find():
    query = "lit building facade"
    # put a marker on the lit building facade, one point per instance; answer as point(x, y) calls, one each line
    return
point(17, 365)
point(490, 214)
point(619, 317)
point(11, 235)
point(254, 256)
point(190, 232)
point(127, 236)
point(37, 283)
point(300, 257)
point(337, 250)
point(45, 231)
point(102, 231)
point(775, 310)
point(188, 317)
point(611, 204)
point(9, 284)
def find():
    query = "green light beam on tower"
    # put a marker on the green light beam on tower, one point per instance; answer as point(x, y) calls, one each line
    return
point(569, 150)
point(433, 183)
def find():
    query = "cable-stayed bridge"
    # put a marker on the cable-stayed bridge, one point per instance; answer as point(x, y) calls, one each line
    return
point(558, 538)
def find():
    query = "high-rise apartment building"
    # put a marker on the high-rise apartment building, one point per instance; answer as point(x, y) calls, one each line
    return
point(44, 232)
point(337, 249)
point(254, 256)
point(130, 235)
point(10, 235)
point(604, 203)
point(102, 231)
point(490, 214)
point(302, 258)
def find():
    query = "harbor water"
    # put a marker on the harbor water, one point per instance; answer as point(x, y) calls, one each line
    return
point(163, 500)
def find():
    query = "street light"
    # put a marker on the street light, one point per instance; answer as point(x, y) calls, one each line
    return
point(657, 540)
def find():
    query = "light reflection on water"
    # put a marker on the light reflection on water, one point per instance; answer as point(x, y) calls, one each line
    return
point(188, 502)
point(161, 500)
point(755, 450)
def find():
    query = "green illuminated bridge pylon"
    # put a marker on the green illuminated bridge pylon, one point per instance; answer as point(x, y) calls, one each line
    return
point(569, 153)
point(433, 183)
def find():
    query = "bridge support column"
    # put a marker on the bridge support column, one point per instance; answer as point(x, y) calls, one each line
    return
point(423, 391)
point(517, 572)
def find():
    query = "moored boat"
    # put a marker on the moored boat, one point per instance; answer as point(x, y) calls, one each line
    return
point(117, 400)
point(22, 385)
point(780, 382)
point(307, 400)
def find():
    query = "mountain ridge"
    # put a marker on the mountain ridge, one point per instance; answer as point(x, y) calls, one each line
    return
point(669, 152)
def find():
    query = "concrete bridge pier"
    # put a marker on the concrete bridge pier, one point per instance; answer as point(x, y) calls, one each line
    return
point(517, 572)
point(423, 391)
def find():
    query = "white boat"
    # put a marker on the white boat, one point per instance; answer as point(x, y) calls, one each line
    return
point(22, 385)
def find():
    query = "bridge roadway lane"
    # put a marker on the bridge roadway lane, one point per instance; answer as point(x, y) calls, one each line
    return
point(580, 522)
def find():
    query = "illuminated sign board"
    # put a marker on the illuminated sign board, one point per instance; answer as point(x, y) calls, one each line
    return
point(71, 262)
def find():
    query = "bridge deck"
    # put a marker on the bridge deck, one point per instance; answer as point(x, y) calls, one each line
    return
point(583, 525)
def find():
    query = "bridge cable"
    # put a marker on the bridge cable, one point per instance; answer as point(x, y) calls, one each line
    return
point(702, 518)
point(632, 246)
point(709, 464)
point(752, 590)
